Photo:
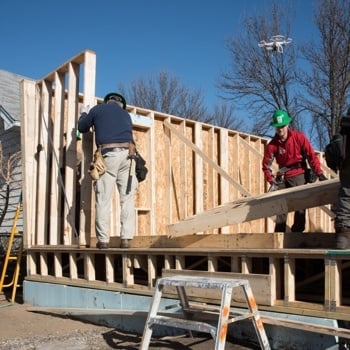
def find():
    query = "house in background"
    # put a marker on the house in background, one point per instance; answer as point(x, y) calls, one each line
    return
point(10, 139)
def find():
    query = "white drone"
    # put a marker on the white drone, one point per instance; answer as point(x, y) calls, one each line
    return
point(276, 43)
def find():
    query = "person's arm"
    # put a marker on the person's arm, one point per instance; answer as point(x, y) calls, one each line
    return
point(313, 159)
point(85, 121)
point(267, 164)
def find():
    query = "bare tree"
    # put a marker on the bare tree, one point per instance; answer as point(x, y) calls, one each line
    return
point(260, 79)
point(7, 167)
point(223, 116)
point(167, 95)
point(328, 81)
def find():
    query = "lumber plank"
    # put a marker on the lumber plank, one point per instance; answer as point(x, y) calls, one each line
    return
point(261, 206)
point(224, 163)
point(43, 156)
point(29, 165)
point(56, 146)
point(235, 240)
point(71, 154)
point(276, 240)
point(87, 216)
point(198, 172)
point(73, 266)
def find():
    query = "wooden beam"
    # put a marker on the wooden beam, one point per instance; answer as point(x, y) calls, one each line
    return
point(261, 206)
point(29, 164)
point(87, 216)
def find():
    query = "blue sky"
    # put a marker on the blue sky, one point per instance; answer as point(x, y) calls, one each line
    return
point(132, 38)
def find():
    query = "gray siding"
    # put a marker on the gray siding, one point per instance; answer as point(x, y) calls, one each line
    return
point(10, 94)
point(10, 141)
point(10, 138)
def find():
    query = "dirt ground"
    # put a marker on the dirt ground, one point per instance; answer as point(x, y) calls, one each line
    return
point(23, 329)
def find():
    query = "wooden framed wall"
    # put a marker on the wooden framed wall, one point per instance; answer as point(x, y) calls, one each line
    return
point(193, 166)
point(51, 154)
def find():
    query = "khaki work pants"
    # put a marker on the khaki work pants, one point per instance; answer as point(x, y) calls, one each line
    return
point(342, 206)
point(118, 167)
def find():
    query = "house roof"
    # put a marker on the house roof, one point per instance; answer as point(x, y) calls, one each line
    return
point(10, 98)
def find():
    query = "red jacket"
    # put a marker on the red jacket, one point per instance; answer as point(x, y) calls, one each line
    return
point(289, 153)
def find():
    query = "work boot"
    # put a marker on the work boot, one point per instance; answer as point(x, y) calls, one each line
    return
point(342, 237)
point(102, 245)
point(125, 243)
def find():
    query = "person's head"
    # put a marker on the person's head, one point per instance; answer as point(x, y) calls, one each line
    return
point(114, 97)
point(280, 121)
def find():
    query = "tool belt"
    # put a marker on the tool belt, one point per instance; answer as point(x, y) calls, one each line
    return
point(281, 172)
point(124, 145)
point(97, 166)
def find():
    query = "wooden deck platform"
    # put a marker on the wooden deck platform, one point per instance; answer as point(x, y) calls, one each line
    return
point(310, 280)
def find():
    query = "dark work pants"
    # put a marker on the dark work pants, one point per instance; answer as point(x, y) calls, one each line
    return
point(342, 206)
point(299, 216)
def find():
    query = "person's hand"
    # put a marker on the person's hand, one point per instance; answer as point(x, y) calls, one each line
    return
point(322, 177)
point(273, 186)
point(84, 109)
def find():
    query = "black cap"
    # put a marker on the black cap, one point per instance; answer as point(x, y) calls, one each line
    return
point(116, 97)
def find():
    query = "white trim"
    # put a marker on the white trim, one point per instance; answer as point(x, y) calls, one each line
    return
point(9, 121)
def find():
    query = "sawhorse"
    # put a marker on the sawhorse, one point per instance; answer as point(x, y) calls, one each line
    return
point(218, 333)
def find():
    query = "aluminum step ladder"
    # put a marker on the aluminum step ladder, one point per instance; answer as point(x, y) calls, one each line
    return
point(13, 254)
point(220, 331)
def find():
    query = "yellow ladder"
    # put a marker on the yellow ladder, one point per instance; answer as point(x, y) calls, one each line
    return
point(218, 332)
point(13, 255)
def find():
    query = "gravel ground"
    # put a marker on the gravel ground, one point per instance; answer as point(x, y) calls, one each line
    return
point(22, 329)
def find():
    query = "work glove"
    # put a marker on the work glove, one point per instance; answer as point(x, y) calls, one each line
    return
point(84, 109)
point(322, 177)
point(273, 186)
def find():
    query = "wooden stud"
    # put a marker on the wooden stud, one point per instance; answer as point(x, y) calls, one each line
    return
point(152, 269)
point(29, 164)
point(128, 271)
point(57, 264)
point(73, 267)
point(109, 268)
point(89, 264)
point(289, 279)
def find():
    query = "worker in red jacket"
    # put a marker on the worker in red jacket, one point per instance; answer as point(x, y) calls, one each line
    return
point(290, 149)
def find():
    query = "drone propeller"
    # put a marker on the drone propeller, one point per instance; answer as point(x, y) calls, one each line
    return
point(277, 38)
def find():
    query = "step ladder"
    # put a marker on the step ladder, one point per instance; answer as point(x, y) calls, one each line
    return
point(219, 332)
point(13, 254)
